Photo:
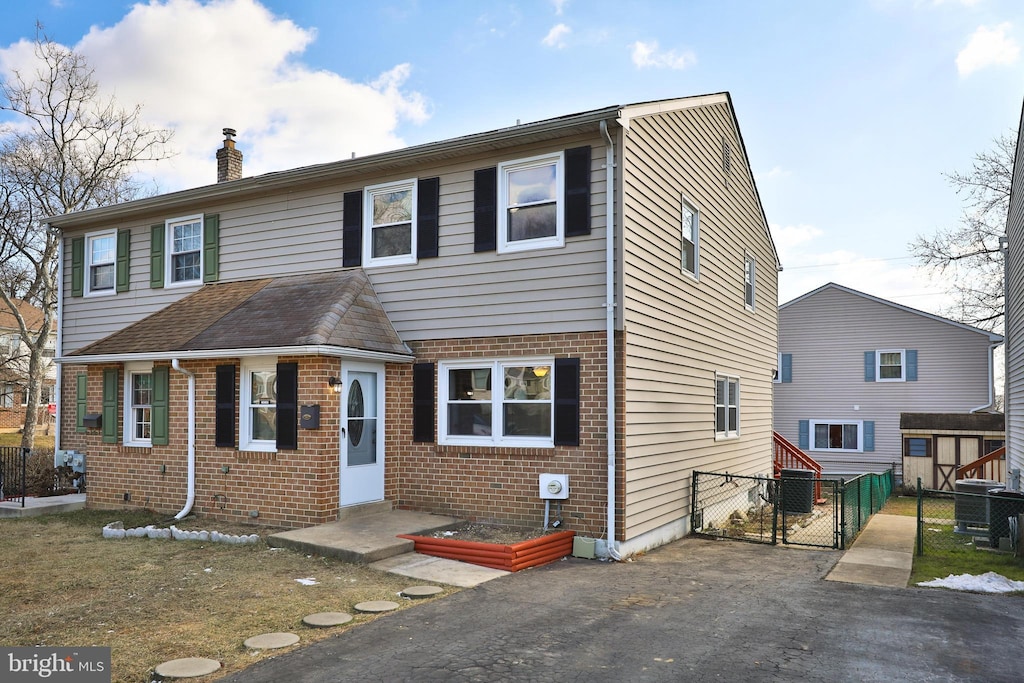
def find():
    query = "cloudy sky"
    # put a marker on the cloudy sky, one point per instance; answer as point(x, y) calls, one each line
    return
point(852, 111)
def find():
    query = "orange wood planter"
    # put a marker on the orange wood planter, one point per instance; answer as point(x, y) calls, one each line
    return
point(512, 558)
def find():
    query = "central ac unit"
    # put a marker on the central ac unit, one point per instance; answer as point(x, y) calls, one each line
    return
point(971, 504)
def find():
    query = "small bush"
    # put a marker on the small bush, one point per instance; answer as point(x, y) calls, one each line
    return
point(42, 478)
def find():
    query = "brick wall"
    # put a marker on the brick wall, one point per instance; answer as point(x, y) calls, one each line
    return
point(501, 484)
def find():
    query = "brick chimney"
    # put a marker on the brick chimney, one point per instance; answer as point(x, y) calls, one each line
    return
point(229, 159)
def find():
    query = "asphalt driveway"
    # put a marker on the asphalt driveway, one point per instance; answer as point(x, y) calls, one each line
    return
point(694, 610)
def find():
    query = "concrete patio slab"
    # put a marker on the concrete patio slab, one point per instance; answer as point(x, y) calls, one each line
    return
point(46, 505)
point(438, 569)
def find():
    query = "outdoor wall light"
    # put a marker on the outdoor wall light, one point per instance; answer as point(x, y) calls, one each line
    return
point(335, 384)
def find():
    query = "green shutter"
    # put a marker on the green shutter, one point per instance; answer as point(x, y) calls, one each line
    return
point(211, 248)
point(123, 257)
point(77, 266)
point(156, 256)
point(161, 406)
point(111, 386)
point(81, 381)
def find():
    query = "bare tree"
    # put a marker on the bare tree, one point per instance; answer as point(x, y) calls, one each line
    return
point(969, 256)
point(66, 148)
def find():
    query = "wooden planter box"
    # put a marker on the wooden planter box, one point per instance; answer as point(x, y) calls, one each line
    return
point(512, 558)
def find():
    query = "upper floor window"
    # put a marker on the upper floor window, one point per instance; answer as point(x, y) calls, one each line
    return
point(496, 402)
point(727, 406)
point(749, 274)
point(258, 414)
point(10, 345)
point(530, 208)
point(101, 262)
point(185, 250)
point(7, 391)
point(389, 217)
point(890, 364)
point(691, 237)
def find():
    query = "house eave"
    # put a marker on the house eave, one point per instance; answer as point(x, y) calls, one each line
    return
point(311, 350)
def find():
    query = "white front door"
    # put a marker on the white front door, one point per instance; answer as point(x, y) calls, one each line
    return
point(362, 434)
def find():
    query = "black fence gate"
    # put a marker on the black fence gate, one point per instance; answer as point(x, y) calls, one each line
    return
point(12, 472)
point(796, 509)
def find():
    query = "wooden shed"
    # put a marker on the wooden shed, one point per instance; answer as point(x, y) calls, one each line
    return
point(935, 445)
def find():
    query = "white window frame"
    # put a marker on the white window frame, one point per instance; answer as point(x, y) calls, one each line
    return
point(695, 222)
point(860, 435)
point(89, 239)
point(505, 245)
point(727, 433)
point(7, 390)
point(368, 194)
point(496, 437)
point(131, 369)
point(169, 252)
point(777, 377)
point(12, 345)
point(245, 440)
point(749, 281)
point(903, 365)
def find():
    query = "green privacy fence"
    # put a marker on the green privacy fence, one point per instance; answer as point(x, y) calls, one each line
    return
point(769, 510)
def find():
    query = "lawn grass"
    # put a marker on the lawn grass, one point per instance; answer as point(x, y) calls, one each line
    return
point(14, 439)
point(900, 505)
point(149, 600)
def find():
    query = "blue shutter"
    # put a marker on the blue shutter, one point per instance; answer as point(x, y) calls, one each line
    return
point(869, 366)
point(804, 439)
point(869, 435)
point(911, 366)
point(787, 367)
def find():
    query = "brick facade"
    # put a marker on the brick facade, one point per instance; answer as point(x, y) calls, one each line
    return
point(300, 488)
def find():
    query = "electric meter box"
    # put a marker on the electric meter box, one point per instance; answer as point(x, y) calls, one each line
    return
point(554, 486)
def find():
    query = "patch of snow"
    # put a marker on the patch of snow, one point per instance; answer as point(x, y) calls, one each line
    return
point(989, 582)
point(308, 581)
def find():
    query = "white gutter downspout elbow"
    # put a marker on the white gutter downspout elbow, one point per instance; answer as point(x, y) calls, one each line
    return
point(991, 378)
point(191, 498)
point(609, 307)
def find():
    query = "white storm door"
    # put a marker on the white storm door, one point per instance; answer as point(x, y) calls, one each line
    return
point(362, 434)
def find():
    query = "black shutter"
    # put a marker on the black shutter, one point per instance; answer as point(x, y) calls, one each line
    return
point(287, 406)
point(224, 434)
point(567, 401)
point(577, 191)
point(427, 207)
point(485, 209)
point(423, 402)
point(352, 230)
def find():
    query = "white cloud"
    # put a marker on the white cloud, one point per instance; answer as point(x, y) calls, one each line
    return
point(648, 55)
point(987, 47)
point(198, 68)
point(556, 36)
point(559, 6)
point(773, 173)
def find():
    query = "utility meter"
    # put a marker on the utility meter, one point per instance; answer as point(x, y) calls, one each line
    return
point(554, 486)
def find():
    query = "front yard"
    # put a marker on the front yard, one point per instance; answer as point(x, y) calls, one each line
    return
point(150, 601)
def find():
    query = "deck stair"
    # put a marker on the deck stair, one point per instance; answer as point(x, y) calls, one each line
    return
point(786, 456)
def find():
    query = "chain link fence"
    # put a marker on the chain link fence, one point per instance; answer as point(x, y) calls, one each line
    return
point(965, 520)
point(798, 510)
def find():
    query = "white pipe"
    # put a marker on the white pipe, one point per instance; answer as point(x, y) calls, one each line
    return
point(191, 498)
point(609, 307)
point(59, 350)
point(991, 378)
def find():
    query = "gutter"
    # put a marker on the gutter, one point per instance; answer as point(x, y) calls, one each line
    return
point(991, 379)
point(191, 497)
point(307, 350)
point(609, 307)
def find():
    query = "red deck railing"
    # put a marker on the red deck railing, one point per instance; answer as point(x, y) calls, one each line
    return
point(977, 468)
point(786, 456)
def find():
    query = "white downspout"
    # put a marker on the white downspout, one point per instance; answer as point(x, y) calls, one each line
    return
point(59, 350)
point(609, 307)
point(191, 498)
point(991, 379)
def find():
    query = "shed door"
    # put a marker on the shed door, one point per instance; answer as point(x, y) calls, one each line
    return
point(946, 461)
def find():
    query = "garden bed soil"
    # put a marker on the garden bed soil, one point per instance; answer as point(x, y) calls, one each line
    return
point(506, 549)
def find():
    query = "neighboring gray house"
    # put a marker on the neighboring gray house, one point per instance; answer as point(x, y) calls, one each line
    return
point(1015, 318)
point(434, 328)
point(851, 363)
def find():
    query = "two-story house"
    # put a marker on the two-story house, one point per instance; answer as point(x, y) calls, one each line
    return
point(1014, 283)
point(14, 362)
point(435, 327)
point(851, 364)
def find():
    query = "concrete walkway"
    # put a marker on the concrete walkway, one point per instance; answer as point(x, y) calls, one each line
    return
point(41, 506)
point(882, 555)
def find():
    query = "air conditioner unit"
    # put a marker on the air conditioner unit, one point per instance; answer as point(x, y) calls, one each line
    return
point(971, 507)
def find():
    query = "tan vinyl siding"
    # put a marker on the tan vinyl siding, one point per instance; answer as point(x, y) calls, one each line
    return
point(459, 294)
point(828, 333)
point(679, 330)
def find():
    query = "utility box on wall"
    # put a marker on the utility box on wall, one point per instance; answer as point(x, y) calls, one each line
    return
point(92, 420)
point(554, 486)
point(309, 417)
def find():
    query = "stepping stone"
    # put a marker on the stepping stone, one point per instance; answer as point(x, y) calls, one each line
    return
point(421, 591)
point(271, 641)
point(325, 619)
point(189, 667)
point(376, 606)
